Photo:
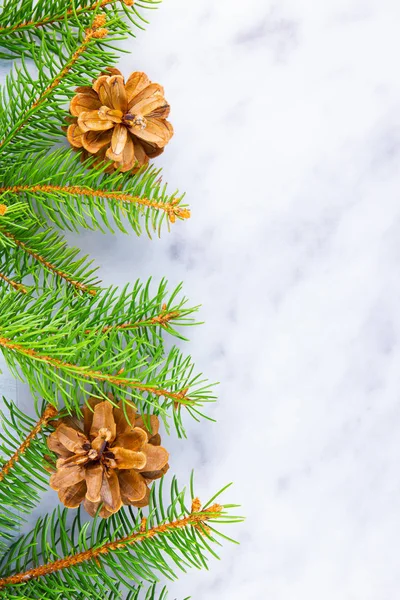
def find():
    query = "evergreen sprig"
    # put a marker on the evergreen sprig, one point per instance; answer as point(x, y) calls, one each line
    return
point(45, 256)
point(32, 105)
point(57, 346)
point(123, 550)
point(24, 24)
point(22, 476)
point(62, 189)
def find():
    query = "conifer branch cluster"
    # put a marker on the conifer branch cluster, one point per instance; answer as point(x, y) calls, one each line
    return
point(71, 339)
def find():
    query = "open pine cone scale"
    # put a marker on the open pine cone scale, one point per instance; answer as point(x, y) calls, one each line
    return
point(109, 458)
point(118, 121)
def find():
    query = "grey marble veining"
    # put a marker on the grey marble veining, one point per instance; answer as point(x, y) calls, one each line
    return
point(287, 141)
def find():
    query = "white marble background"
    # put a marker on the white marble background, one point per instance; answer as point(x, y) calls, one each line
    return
point(287, 121)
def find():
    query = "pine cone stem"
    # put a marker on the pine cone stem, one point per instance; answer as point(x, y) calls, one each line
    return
point(48, 414)
point(194, 519)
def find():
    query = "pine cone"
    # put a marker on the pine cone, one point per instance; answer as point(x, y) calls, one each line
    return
point(118, 121)
point(109, 458)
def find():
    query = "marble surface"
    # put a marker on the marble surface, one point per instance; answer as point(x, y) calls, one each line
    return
point(287, 141)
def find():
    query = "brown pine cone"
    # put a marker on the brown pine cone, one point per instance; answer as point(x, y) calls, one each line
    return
point(118, 121)
point(109, 458)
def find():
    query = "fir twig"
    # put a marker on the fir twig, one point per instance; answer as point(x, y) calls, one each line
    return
point(70, 13)
point(56, 344)
point(25, 26)
point(27, 103)
point(194, 519)
point(161, 319)
point(81, 287)
point(97, 31)
point(171, 207)
point(48, 414)
point(20, 489)
point(86, 372)
point(71, 194)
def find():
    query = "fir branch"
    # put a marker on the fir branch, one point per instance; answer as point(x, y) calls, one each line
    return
point(26, 104)
point(57, 345)
point(123, 549)
point(17, 214)
point(170, 207)
point(194, 519)
point(69, 13)
point(19, 491)
point(56, 247)
point(62, 189)
point(9, 276)
point(85, 371)
point(161, 319)
point(46, 264)
point(97, 31)
point(49, 413)
point(28, 250)
point(23, 28)
point(140, 312)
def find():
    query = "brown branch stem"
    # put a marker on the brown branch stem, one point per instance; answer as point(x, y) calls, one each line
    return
point(194, 519)
point(162, 319)
point(39, 258)
point(61, 17)
point(17, 286)
point(49, 413)
point(171, 208)
point(87, 373)
point(97, 31)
